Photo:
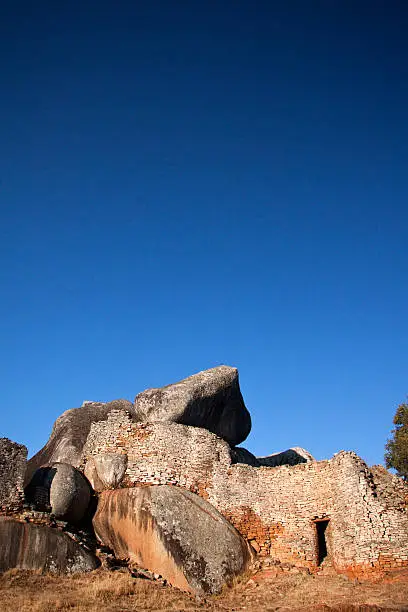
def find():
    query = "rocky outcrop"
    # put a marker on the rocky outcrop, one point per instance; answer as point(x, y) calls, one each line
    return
point(177, 441)
point(13, 458)
point(174, 533)
point(210, 399)
point(242, 455)
point(106, 471)
point(38, 547)
point(70, 432)
point(292, 456)
point(61, 489)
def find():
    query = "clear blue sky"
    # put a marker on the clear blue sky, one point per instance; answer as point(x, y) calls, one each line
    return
point(189, 183)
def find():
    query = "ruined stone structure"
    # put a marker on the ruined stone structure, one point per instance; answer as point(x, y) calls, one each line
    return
point(295, 514)
point(290, 508)
point(12, 469)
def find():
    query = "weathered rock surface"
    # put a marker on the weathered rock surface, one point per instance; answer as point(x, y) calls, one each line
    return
point(70, 432)
point(13, 458)
point(62, 489)
point(210, 399)
point(174, 533)
point(242, 455)
point(38, 547)
point(106, 471)
point(92, 476)
point(292, 456)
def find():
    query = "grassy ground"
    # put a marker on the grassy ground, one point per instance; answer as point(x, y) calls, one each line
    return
point(103, 591)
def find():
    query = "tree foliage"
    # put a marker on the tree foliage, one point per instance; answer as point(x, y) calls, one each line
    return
point(396, 449)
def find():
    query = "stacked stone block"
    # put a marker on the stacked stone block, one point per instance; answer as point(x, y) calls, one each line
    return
point(13, 458)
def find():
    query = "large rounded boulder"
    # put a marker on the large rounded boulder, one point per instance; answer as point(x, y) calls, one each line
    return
point(106, 471)
point(174, 533)
point(292, 456)
point(62, 489)
point(70, 432)
point(210, 399)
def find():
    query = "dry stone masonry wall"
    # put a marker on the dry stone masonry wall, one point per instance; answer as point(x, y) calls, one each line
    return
point(13, 458)
point(159, 453)
point(278, 509)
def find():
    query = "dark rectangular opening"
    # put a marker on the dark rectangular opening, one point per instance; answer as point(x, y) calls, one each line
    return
point(321, 527)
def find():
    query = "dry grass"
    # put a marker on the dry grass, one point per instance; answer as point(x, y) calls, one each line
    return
point(103, 591)
point(321, 592)
point(96, 592)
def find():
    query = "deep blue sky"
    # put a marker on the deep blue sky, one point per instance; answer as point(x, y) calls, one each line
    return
point(189, 183)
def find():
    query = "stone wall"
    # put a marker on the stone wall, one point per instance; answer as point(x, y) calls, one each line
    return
point(276, 509)
point(160, 453)
point(13, 460)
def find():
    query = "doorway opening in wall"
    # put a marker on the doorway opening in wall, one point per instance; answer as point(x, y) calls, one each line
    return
point(321, 526)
